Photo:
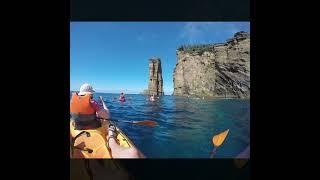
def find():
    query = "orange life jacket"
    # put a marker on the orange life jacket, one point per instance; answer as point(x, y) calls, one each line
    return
point(82, 112)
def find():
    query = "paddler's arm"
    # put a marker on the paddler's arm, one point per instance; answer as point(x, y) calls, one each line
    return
point(103, 113)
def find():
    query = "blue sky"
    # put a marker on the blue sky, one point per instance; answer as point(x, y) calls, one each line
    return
point(113, 56)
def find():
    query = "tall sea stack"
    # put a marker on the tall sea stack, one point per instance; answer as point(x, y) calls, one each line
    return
point(214, 70)
point(155, 77)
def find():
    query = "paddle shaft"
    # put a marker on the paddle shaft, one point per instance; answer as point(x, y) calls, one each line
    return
point(122, 121)
point(143, 122)
point(133, 122)
point(104, 104)
point(213, 152)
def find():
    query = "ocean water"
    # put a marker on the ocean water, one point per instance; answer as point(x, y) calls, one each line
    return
point(186, 125)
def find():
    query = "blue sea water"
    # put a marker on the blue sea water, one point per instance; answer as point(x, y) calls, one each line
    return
point(186, 125)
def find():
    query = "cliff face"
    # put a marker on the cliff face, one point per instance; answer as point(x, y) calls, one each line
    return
point(155, 77)
point(217, 70)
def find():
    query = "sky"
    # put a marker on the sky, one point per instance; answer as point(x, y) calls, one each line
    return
point(114, 56)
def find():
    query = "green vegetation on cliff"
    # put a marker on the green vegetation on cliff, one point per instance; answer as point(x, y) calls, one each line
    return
point(201, 48)
point(197, 49)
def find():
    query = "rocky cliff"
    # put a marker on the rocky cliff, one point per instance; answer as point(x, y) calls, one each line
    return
point(155, 77)
point(214, 70)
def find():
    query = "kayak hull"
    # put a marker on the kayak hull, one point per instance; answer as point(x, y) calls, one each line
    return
point(96, 142)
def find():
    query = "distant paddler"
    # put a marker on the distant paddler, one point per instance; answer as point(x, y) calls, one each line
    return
point(152, 97)
point(122, 98)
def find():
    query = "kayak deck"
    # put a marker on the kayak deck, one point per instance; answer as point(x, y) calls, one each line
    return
point(96, 141)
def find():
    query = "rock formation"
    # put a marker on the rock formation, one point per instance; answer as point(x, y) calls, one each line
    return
point(155, 77)
point(214, 70)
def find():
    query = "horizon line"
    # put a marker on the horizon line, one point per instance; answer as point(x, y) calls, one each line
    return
point(118, 92)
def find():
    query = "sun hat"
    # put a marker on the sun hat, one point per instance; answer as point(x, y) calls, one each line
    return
point(86, 89)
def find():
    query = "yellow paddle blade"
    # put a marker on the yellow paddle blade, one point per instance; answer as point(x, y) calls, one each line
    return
point(218, 139)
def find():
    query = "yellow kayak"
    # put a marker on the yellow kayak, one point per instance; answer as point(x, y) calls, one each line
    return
point(93, 143)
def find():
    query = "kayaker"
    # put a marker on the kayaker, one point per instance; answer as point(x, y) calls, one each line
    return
point(122, 98)
point(85, 111)
point(152, 97)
